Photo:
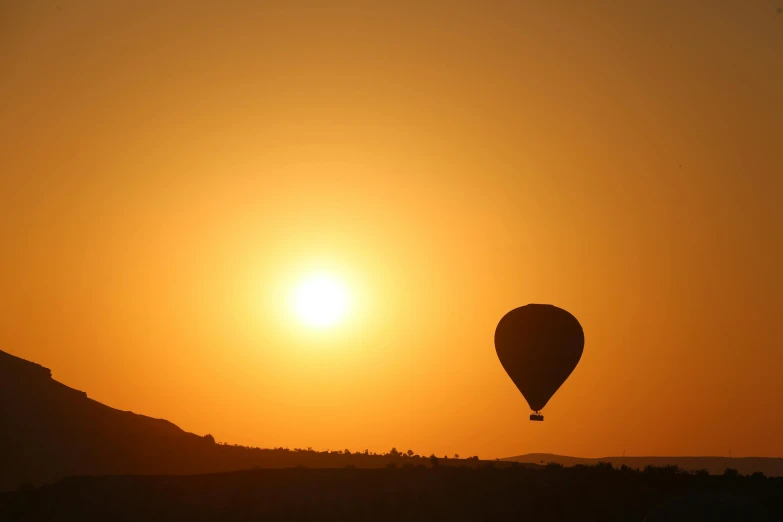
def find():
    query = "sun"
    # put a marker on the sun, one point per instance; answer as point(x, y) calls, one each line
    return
point(320, 300)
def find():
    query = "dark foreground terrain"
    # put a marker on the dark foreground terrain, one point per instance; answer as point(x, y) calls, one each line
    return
point(598, 493)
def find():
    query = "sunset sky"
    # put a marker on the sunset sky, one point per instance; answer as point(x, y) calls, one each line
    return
point(172, 172)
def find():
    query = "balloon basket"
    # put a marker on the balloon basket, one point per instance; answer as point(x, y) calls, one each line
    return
point(536, 417)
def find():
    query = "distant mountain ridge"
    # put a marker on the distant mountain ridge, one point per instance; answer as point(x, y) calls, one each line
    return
point(770, 466)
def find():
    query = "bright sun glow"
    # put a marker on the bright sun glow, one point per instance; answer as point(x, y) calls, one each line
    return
point(320, 300)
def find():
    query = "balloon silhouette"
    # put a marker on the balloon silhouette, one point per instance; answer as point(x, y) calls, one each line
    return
point(539, 346)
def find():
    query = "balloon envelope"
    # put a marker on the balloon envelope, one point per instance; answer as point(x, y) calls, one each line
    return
point(539, 346)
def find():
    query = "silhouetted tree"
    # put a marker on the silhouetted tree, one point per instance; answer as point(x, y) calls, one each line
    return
point(409, 453)
point(209, 438)
point(394, 452)
point(604, 467)
point(456, 455)
point(347, 451)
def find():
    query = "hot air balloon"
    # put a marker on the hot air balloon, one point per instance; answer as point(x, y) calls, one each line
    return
point(539, 346)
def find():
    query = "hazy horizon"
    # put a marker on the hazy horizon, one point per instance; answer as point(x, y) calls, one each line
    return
point(170, 174)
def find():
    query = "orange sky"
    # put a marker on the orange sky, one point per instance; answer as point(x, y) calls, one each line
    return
point(167, 172)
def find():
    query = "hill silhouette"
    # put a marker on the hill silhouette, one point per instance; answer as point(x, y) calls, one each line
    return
point(771, 467)
point(49, 431)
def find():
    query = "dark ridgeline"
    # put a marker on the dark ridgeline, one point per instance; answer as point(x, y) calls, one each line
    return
point(148, 469)
point(49, 431)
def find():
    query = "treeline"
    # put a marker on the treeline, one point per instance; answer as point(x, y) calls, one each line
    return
point(652, 471)
point(393, 453)
point(432, 460)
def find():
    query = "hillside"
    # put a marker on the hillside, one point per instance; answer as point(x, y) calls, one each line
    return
point(49, 431)
point(772, 467)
